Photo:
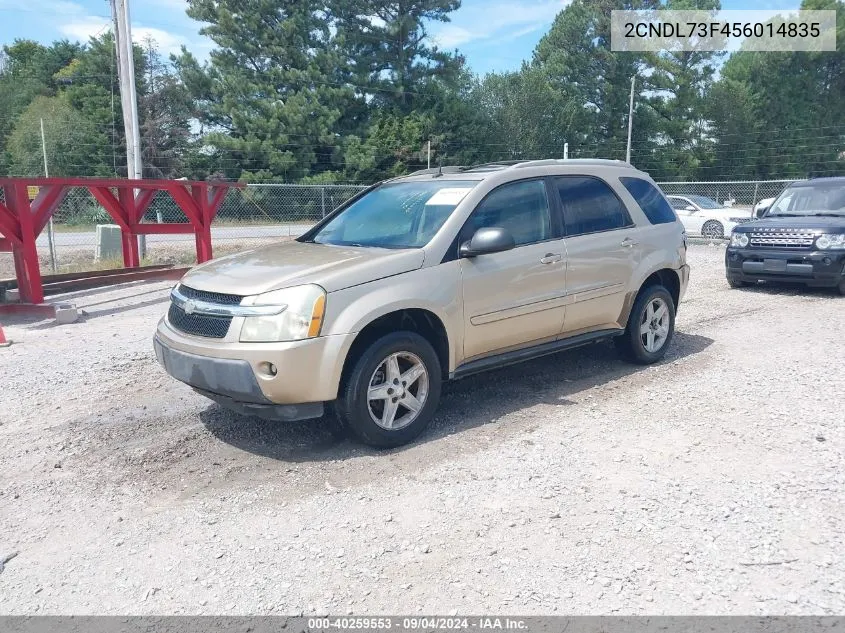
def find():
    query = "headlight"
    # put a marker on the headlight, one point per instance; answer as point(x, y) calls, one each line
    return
point(739, 239)
point(828, 240)
point(302, 317)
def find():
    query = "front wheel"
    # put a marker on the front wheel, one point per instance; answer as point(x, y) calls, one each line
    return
point(651, 327)
point(393, 390)
point(842, 287)
point(713, 229)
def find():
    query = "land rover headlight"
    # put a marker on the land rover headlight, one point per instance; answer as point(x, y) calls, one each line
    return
point(830, 240)
point(300, 318)
point(739, 239)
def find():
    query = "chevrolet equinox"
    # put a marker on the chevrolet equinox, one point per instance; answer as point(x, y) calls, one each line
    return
point(426, 278)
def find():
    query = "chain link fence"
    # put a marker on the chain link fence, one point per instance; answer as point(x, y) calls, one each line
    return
point(731, 193)
point(250, 217)
point(263, 214)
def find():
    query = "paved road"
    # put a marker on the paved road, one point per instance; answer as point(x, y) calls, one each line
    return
point(89, 238)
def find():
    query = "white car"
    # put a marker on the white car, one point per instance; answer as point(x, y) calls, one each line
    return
point(704, 216)
point(761, 207)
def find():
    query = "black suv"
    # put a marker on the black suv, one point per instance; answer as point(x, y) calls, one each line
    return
point(801, 238)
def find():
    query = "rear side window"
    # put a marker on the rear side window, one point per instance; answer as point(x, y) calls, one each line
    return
point(653, 204)
point(590, 206)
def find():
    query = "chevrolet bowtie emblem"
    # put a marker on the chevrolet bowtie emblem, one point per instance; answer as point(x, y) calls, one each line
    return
point(189, 307)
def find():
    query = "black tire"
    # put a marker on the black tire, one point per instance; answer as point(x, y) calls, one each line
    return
point(717, 229)
point(737, 283)
point(352, 406)
point(842, 287)
point(630, 344)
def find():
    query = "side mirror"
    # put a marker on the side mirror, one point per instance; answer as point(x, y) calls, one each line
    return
point(490, 240)
point(761, 212)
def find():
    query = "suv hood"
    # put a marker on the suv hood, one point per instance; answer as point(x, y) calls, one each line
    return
point(295, 263)
point(809, 222)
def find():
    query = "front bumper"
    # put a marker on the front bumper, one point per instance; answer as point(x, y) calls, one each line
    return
point(234, 373)
point(231, 383)
point(813, 268)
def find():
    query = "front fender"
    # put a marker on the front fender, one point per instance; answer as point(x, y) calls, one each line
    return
point(436, 289)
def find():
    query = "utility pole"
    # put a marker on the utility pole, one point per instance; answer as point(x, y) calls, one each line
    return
point(50, 240)
point(150, 112)
point(128, 96)
point(565, 151)
point(630, 120)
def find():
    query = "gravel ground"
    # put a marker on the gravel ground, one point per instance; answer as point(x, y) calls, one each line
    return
point(710, 483)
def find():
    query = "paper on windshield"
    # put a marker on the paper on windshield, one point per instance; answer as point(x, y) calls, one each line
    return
point(450, 196)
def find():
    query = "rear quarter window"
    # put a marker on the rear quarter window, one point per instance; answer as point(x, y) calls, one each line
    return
point(651, 201)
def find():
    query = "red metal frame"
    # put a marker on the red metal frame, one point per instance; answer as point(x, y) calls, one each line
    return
point(21, 221)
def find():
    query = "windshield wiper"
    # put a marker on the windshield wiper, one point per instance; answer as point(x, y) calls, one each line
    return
point(828, 215)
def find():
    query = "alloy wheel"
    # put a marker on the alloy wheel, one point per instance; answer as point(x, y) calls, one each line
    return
point(654, 325)
point(397, 391)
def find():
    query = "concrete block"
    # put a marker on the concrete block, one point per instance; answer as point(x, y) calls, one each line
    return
point(13, 295)
point(109, 244)
point(66, 313)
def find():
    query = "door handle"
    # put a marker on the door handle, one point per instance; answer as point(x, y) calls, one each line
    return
point(628, 242)
point(550, 258)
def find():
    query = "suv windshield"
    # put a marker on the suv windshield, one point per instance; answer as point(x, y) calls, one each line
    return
point(704, 202)
point(814, 199)
point(397, 215)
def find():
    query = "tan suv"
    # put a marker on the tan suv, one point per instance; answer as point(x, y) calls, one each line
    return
point(427, 278)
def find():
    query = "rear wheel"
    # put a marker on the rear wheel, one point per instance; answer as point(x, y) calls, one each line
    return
point(651, 327)
point(393, 390)
point(713, 228)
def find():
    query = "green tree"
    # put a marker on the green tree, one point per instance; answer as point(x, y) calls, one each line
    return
point(577, 61)
point(388, 51)
point(270, 88)
point(74, 146)
point(780, 115)
point(681, 82)
point(529, 116)
point(27, 69)
point(165, 110)
point(391, 147)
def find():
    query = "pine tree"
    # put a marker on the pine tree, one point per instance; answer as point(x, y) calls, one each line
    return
point(271, 89)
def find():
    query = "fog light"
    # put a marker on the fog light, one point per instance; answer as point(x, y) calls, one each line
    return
point(826, 261)
point(268, 369)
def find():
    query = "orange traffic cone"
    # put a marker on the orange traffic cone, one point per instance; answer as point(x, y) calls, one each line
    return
point(3, 341)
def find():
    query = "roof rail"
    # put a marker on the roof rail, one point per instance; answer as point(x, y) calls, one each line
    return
point(501, 164)
point(572, 161)
point(526, 162)
point(451, 169)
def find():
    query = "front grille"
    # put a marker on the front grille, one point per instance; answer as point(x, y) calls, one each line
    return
point(210, 297)
point(198, 324)
point(783, 239)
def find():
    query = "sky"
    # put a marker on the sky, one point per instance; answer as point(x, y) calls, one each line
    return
point(494, 35)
